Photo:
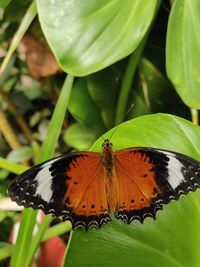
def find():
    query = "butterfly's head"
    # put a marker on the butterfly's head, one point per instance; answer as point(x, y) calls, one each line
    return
point(107, 144)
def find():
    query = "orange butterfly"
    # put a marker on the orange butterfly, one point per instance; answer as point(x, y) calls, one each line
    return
point(84, 187)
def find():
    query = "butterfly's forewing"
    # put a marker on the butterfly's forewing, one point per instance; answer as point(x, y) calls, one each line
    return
point(156, 177)
point(66, 186)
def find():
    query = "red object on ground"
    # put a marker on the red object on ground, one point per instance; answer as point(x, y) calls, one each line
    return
point(51, 253)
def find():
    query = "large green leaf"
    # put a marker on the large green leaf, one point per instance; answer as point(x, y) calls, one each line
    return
point(173, 239)
point(183, 50)
point(87, 36)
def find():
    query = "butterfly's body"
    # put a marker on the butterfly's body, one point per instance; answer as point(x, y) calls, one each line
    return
point(84, 187)
point(108, 164)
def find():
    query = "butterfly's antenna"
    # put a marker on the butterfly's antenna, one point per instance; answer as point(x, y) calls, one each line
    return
point(117, 126)
point(131, 106)
point(82, 121)
point(166, 8)
point(115, 129)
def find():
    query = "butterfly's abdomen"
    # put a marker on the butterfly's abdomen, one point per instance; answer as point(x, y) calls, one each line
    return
point(107, 159)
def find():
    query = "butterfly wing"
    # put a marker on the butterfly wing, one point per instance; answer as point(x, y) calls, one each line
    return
point(149, 178)
point(71, 186)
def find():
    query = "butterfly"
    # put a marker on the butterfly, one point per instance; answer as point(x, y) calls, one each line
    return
point(85, 187)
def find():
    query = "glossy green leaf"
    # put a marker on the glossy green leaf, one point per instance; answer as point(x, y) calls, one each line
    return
point(88, 36)
point(173, 239)
point(183, 50)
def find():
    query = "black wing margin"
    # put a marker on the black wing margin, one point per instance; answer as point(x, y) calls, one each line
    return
point(43, 186)
point(176, 174)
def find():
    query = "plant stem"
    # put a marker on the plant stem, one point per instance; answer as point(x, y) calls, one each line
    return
point(57, 119)
point(64, 263)
point(58, 229)
point(127, 82)
point(24, 237)
point(195, 116)
point(25, 23)
point(129, 76)
point(12, 167)
point(37, 238)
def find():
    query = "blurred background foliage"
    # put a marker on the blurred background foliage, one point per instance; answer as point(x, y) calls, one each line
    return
point(31, 82)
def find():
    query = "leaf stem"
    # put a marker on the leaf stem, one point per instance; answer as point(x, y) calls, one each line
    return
point(64, 263)
point(127, 82)
point(24, 237)
point(37, 238)
point(58, 229)
point(195, 116)
point(25, 23)
point(12, 167)
point(57, 120)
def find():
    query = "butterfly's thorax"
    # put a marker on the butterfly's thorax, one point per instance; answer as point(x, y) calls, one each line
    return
point(107, 158)
point(108, 163)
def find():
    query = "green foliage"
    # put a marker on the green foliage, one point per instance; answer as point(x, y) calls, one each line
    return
point(117, 51)
point(119, 25)
point(183, 41)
